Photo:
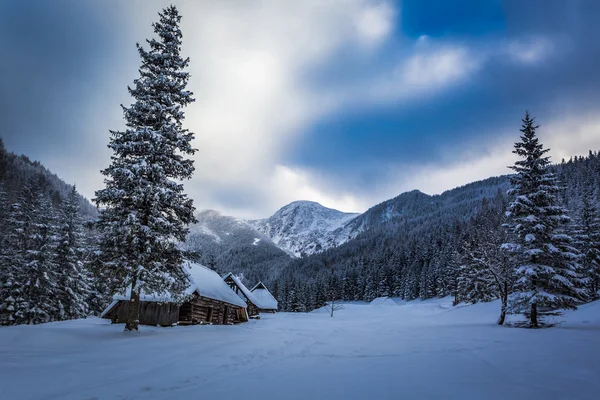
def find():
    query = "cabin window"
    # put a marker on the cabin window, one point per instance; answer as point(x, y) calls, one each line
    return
point(209, 314)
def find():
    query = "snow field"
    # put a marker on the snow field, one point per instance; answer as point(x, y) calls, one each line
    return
point(416, 350)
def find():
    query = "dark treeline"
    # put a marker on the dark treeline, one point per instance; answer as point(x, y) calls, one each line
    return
point(46, 246)
point(17, 170)
point(440, 250)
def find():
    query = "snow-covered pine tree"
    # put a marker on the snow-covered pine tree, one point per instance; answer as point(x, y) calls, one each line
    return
point(29, 282)
point(4, 209)
point(42, 279)
point(546, 267)
point(73, 278)
point(12, 300)
point(587, 240)
point(146, 211)
point(12, 307)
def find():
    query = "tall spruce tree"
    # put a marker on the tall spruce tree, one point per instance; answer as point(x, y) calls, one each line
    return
point(29, 276)
point(546, 265)
point(42, 273)
point(146, 210)
point(12, 277)
point(73, 277)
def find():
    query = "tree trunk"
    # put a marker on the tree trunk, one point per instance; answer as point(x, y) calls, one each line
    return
point(534, 316)
point(503, 309)
point(133, 316)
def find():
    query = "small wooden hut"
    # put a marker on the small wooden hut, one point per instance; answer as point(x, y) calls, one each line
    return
point(383, 301)
point(267, 302)
point(235, 283)
point(208, 300)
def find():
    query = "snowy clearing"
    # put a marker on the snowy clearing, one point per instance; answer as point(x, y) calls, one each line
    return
point(419, 349)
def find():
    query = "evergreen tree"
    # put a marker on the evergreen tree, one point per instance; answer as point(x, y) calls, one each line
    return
point(42, 278)
point(546, 264)
point(146, 211)
point(13, 304)
point(587, 240)
point(74, 279)
point(28, 278)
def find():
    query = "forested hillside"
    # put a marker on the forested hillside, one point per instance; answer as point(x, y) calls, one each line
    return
point(16, 171)
point(415, 246)
point(412, 246)
point(230, 244)
point(47, 246)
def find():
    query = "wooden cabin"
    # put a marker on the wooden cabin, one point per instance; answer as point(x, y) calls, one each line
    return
point(235, 283)
point(267, 302)
point(383, 301)
point(208, 300)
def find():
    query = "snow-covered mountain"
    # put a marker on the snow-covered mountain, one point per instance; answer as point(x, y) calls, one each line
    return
point(215, 229)
point(306, 227)
point(303, 227)
point(230, 244)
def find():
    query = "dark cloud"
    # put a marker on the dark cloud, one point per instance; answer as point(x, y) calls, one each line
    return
point(66, 64)
point(356, 150)
point(54, 57)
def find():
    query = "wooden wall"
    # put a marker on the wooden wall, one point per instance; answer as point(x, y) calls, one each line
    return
point(204, 310)
point(198, 310)
point(151, 313)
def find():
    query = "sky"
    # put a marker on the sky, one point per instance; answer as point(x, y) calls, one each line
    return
point(343, 102)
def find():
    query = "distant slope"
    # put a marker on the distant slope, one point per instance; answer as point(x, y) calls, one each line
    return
point(230, 244)
point(262, 249)
point(415, 207)
point(16, 171)
point(303, 227)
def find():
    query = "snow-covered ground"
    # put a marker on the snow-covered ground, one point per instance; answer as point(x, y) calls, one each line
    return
point(417, 350)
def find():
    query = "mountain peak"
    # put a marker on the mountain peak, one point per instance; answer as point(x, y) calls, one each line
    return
point(209, 213)
point(304, 203)
point(302, 226)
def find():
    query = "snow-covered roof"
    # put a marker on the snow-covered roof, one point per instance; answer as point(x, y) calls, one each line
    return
point(110, 306)
point(266, 299)
point(204, 281)
point(249, 295)
point(383, 301)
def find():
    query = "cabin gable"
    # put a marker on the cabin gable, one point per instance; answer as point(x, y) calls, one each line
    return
point(238, 287)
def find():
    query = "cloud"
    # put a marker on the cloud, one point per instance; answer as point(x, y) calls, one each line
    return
point(565, 136)
point(374, 23)
point(428, 71)
point(531, 50)
point(265, 74)
point(253, 67)
point(253, 74)
point(297, 184)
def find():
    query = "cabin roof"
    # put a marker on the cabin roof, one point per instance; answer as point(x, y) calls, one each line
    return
point(383, 301)
point(204, 281)
point(248, 293)
point(265, 297)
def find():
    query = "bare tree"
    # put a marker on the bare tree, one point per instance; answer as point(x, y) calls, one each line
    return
point(333, 291)
point(333, 306)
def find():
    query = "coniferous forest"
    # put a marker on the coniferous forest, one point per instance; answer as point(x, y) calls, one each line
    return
point(474, 243)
